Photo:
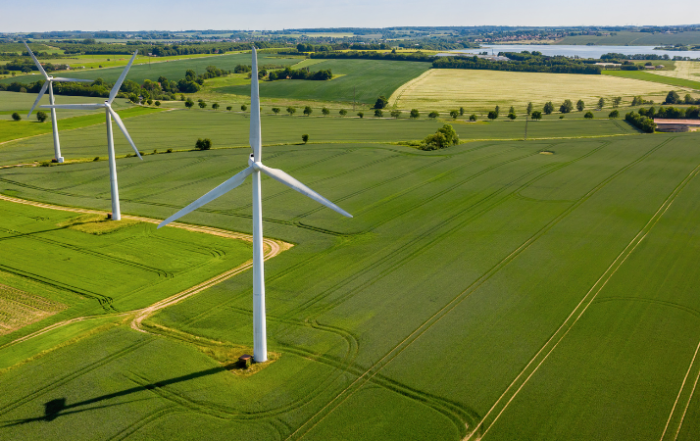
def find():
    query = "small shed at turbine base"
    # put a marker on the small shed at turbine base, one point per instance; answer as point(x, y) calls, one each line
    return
point(677, 125)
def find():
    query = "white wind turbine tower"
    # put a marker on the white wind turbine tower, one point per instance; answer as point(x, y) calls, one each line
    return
point(255, 168)
point(49, 84)
point(107, 105)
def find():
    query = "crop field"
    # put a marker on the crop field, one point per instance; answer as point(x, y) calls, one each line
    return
point(484, 89)
point(486, 291)
point(367, 79)
point(179, 130)
point(90, 266)
point(687, 70)
point(660, 77)
point(172, 70)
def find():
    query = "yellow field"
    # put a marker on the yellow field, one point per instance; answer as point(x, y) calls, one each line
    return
point(442, 89)
point(19, 309)
point(687, 70)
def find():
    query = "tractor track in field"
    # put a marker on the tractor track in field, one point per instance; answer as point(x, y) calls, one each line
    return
point(272, 248)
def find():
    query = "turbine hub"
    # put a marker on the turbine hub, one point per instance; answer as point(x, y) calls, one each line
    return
point(252, 163)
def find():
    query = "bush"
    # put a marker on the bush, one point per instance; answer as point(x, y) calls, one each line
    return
point(189, 103)
point(169, 151)
point(378, 113)
point(643, 123)
point(454, 114)
point(215, 106)
point(472, 117)
point(361, 115)
point(97, 158)
point(614, 114)
point(157, 103)
point(202, 104)
point(588, 115)
point(229, 108)
point(415, 113)
point(343, 112)
point(291, 110)
point(512, 116)
point(203, 144)
point(433, 114)
point(536, 115)
point(566, 107)
point(41, 116)
point(395, 113)
point(305, 138)
point(381, 102)
point(492, 115)
point(325, 111)
point(16, 116)
point(443, 138)
point(149, 101)
point(244, 107)
point(308, 110)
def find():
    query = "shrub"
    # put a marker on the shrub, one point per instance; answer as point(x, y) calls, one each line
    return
point(169, 151)
point(536, 115)
point(229, 108)
point(155, 151)
point(215, 106)
point(512, 116)
point(361, 115)
point(643, 123)
point(588, 115)
point(454, 114)
point(443, 138)
point(203, 144)
point(202, 104)
point(566, 107)
point(305, 138)
point(291, 110)
point(395, 113)
point(308, 110)
point(378, 113)
point(614, 114)
point(16, 116)
point(157, 103)
point(325, 111)
point(244, 107)
point(492, 115)
point(415, 113)
point(149, 101)
point(189, 103)
point(472, 117)
point(343, 112)
point(97, 158)
point(433, 114)
point(41, 116)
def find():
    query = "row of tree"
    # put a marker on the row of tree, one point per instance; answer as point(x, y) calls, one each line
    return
point(519, 62)
point(300, 74)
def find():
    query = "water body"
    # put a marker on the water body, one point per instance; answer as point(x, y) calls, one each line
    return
point(577, 50)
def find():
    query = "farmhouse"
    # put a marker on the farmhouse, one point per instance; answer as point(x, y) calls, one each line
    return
point(677, 125)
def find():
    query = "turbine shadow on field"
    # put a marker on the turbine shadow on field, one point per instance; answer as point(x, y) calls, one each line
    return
point(58, 407)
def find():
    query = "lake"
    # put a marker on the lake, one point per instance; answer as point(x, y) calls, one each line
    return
point(577, 50)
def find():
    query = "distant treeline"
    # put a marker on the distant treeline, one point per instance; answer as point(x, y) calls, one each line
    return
point(411, 56)
point(300, 74)
point(613, 56)
point(521, 62)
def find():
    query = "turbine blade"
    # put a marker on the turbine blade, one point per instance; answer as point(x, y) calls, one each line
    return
point(70, 80)
point(74, 106)
point(41, 69)
point(38, 98)
point(122, 127)
point(255, 131)
point(289, 181)
point(118, 84)
point(222, 189)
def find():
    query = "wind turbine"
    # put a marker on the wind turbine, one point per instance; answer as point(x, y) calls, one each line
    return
point(49, 84)
point(255, 168)
point(110, 113)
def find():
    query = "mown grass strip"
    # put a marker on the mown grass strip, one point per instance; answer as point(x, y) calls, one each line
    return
point(646, 76)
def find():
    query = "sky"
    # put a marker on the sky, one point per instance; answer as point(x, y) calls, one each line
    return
point(174, 15)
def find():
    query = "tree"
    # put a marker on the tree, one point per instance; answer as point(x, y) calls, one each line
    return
point(498, 111)
point(454, 114)
point(202, 104)
point(378, 113)
point(308, 110)
point(414, 113)
point(688, 99)
point(637, 101)
point(601, 103)
point(343, 112)
point(244, 107)
point(616, 101)
point(291, 110)
point(614, 114)
point(461, 111)
point(512, 116)
point(325, 111)
point(189, 103)
point(275, 110)
point(672, 98)
point(443, 138)
point(361, 115)
point(536, 115)
point(433, 114)
point(548, 108)
point(588, 115)
point(529, 109)
point(566, 107)
point(580, 105)
point(203, 144)
point(134, 98)
point(395, 113)
point(305, 138)
point(16, 116)
point(492, 115)
point(381, 102)
point(472, 117)
point(229, 108)
point(157, 103)
point(41, 116)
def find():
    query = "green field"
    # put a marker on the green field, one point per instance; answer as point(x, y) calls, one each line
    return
point(365, 79)
point(172, 70)
point(646, 76)
point(486, 289)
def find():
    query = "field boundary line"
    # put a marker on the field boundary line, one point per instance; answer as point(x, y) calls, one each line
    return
point(587, 300)
point(273, 248)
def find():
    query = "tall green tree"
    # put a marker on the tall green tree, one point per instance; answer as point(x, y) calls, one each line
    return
point(291, 110)
point(275, 110)
point(415, 113)
point(566, 107)
point(325, 111)
point(530, 107)
point(454, 114)
point(601, 103)
point(308, 110)
point(395, 113)
point(343, 112)
point(580, 105)
point(41, 116)
point(548, 108)
point(381, 102)
point(536, 115)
